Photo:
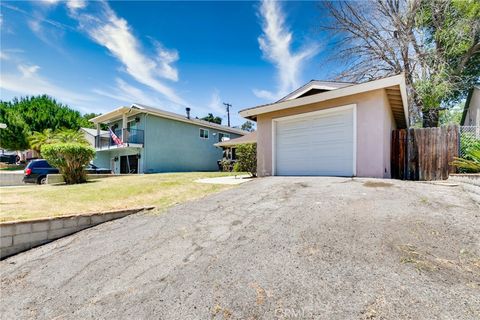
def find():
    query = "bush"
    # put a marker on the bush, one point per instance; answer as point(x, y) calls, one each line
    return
point(70, 159)
point(226, 165)
point(246, 159)
point(470, 161)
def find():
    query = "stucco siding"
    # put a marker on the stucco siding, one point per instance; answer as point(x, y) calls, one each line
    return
point(374, 123)
point(172, 146)
point(389, 125)
point(102, 159)
point(472, 117)
point(90, 139)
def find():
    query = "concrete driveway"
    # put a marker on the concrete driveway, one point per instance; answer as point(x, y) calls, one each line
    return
point(323, 248)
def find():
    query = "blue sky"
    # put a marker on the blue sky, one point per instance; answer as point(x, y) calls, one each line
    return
point(96, 56)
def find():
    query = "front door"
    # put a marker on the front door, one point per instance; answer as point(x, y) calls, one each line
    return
point(129, 164)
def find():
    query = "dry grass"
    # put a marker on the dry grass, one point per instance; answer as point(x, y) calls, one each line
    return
point(377, 184)
point(160, 190)
point(466, 265)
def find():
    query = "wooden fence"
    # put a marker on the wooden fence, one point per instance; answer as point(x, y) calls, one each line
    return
point(424, 154)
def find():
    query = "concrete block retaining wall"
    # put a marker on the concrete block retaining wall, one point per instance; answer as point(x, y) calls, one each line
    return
point(11, 178)
point(18, 236)
point(470, 178)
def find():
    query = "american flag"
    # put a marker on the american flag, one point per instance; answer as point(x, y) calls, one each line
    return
point(115, 139)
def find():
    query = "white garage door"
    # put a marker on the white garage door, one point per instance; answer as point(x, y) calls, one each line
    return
point(316, 143)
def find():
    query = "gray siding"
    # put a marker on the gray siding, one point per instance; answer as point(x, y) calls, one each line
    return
point(172, 145)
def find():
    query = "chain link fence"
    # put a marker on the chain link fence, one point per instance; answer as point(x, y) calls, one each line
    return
point(469, 137)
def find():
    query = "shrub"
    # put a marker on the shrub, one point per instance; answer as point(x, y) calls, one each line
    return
point(469, 141)
point(470, 161)
point(226, 165)
point(69, 158)
point(246, 159)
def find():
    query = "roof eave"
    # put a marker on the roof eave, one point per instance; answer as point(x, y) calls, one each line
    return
point(138, 108)
point(251, 113)
point(110, 115)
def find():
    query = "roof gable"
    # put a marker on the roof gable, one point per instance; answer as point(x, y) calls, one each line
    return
point(394, 86)
point(314, 87)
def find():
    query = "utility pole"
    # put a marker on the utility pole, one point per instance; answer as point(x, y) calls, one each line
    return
point(228, 105)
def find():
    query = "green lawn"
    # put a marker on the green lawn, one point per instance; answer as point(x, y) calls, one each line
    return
point(12, 168)
point(160, 190)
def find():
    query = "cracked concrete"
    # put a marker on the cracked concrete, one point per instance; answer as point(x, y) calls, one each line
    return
point(323, 248)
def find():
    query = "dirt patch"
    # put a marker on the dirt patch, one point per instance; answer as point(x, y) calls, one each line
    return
point(466, 266)
point(377, 184)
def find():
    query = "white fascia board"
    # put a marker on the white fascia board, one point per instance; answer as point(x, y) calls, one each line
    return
point(333, 94)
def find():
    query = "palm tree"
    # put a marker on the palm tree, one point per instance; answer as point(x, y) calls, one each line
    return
point(471, 161)
point(69, 135)
point(47, 136)
point(38, 139)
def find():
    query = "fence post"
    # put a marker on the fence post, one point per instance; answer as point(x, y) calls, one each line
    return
point(412, 151)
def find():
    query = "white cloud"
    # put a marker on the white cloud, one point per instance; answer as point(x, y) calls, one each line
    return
point(275, 43)
point(43, 30)
point(28, 71)
point(128, 94)
point(216, 105)
point(48, 2)
point(29, 82)
point(267, 95)
point(114, 33)
point(76, 4)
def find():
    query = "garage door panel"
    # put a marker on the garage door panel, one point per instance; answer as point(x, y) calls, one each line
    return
point(316, 144)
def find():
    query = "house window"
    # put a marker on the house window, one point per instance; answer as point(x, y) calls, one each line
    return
point(204, 133)
point(223, 136)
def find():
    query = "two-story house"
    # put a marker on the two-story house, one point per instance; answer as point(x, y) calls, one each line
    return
point(154, 140)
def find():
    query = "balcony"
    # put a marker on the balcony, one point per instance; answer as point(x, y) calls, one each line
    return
point(130, 138)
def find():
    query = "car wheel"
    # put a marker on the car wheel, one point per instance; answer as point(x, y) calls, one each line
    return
point(42, 180)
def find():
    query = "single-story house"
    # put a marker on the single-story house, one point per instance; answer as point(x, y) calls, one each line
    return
point(333, 129)
point(229, 147)
point(471, 112)
point(152, 140)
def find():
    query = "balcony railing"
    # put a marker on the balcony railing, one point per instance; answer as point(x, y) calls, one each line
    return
point(105, 141)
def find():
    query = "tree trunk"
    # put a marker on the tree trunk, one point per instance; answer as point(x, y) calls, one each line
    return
point(430, 118)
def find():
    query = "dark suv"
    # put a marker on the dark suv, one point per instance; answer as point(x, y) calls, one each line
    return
point(93, 169)
point(37, 170)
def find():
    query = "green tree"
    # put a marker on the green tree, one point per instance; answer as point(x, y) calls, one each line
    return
point(211, 118)
point(69, 135)
point(246, 158)
point(47, 136)
point(248, 126)
point(35, 114)
point(451, 115)
point(15, 136)
point(91, 115)
point(434, 42)
point(70, 159)
point(38, 139)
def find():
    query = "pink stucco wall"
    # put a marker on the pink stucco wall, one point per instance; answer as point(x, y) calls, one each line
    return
point(374, 125)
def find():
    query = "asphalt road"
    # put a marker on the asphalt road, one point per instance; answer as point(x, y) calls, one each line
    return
point(294, 248)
